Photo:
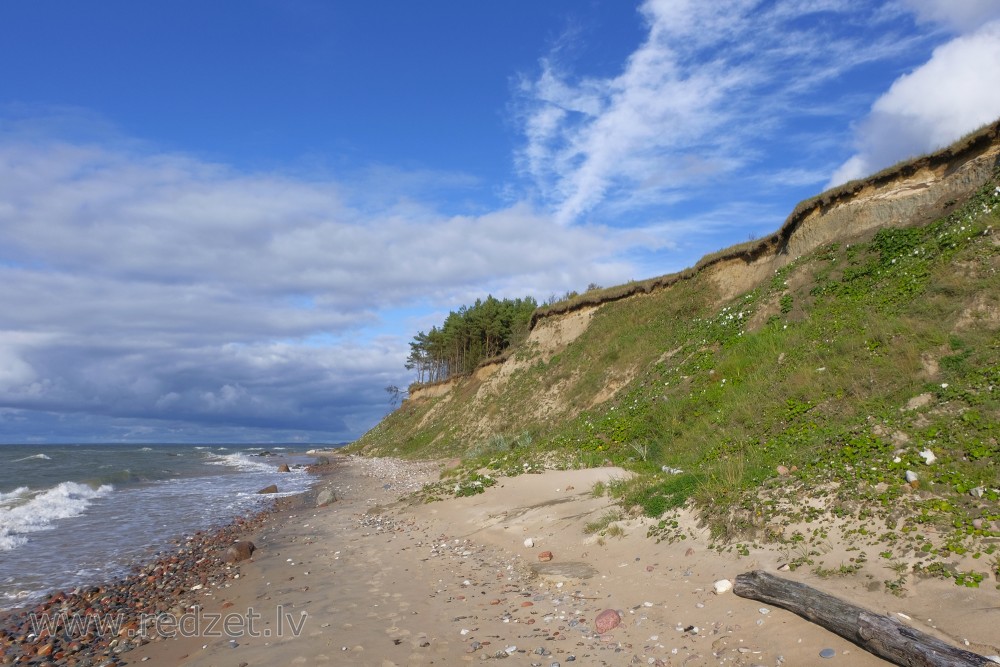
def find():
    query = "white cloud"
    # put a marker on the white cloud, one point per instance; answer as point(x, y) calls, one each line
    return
point(147, 288)
point(716, 80)
point(952, 94)
point(959, 15)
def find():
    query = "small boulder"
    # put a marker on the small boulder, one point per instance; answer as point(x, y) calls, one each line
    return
point(607, 620)
point(325, 497)
point(545, 556)
point(269, 489)
point(238, 551)
point(283, 468)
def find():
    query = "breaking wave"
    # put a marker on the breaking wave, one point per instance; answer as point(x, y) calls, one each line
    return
point(23, 511)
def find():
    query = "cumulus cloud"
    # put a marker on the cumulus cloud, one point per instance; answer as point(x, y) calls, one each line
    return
point(953, 93)
point(716, 80)
point(160, 291)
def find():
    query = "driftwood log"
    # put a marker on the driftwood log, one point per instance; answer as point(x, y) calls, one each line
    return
point(882, 635)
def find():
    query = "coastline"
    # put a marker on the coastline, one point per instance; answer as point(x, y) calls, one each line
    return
point(375, 578)
point(101, 622)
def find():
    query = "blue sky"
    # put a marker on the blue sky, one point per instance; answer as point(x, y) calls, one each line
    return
point(225, 221)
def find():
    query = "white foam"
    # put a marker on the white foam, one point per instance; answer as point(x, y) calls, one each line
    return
point(42, 457)
point(8, 541)
point(18, 595)
point(243, 462)
point(11, 497)
point(65, 500)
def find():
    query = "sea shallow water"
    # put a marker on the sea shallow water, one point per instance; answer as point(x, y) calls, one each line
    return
point(78, 514)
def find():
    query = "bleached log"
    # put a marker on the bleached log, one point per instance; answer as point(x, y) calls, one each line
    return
point(881, 635)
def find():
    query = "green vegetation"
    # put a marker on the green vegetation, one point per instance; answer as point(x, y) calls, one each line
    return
point(605, 523)
point(474, 333)
point(803, 401)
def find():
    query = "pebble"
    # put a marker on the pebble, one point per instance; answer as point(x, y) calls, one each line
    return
point(827, 653)
point(607, 620)
point(193, 564)
point(529, 543)
point(722, 586)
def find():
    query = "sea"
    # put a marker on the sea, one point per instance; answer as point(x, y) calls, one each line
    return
point(73, 515)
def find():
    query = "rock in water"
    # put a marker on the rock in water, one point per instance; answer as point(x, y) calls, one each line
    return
point(283, 468)
point(269, 489)
point(607, 620)
point(239, 551)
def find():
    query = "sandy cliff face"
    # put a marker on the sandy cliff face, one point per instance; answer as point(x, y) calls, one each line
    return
point(433, 390)
point(909, 199)
point(915, 192)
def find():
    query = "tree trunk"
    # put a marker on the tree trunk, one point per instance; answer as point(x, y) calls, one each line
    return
point(884, 636)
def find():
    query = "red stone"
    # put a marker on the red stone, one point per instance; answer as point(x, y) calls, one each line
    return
point(545, 556)
point(607, 620)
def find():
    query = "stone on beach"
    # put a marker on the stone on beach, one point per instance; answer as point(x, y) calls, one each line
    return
point(269, 489)
point(284, 468)
point(156, 587)
point(325, 497)
point(545, 556)
point(238, 551)
point(607, 620)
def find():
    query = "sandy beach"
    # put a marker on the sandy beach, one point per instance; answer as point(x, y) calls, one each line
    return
point(370, 579)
